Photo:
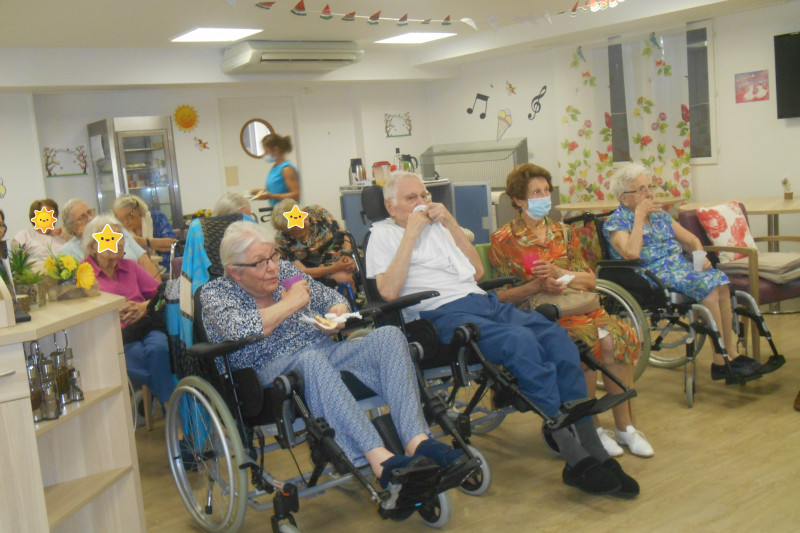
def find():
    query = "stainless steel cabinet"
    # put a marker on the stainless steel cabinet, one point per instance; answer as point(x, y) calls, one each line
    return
point(136, 155)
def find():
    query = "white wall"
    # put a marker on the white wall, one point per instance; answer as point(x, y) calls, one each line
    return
point(756, 148)
point(20, 168)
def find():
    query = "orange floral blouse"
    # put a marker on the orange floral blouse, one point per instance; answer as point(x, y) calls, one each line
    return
point(562, 248)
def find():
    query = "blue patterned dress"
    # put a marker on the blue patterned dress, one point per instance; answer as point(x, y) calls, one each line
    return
point(662, 254)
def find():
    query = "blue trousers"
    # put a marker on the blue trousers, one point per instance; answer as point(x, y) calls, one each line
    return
point(537, 351)
point(148, 364)
point(380, 361)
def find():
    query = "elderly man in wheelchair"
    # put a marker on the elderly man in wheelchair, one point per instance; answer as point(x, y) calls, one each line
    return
point(262, 296)
point(423, 248)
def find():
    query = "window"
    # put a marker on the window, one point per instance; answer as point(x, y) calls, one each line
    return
point(699, 94)
point(619, 113)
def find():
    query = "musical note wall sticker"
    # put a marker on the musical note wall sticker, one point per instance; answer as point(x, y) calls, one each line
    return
point(536, 105)
point(484, 99)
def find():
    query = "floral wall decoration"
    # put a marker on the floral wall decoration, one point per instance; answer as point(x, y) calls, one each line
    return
point(397, 124)
point(64, 161)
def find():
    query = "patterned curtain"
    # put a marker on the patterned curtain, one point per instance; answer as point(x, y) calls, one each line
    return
point(656, 98)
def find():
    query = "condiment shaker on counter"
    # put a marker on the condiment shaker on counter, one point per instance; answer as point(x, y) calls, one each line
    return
point(35, 387)
point(47, 371)
point(62, 373)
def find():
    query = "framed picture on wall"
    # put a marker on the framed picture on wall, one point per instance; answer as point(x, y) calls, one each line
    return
point(752, 86)
point(64, 161)
point(397, 124)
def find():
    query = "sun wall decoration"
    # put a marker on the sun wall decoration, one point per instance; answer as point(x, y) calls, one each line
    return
point(186, 118)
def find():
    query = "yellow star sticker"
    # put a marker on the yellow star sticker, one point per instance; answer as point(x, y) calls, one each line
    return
point(107, 239)
point(296, 218)
point(43, 220)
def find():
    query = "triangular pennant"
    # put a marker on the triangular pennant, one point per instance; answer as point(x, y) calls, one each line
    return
point(326, 13)
point(374, 19)
point(403, 21)
point(446, 21)
point(299, 9)
point(350, 17)
point(265, 5)
point(574, 11)
point(426, 21)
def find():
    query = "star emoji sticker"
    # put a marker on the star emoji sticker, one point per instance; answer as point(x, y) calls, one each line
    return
point(43, 220)
point(296, 218)
point(107, 239)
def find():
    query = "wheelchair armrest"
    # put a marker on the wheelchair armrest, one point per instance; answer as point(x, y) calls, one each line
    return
point(620, 263)
point(491, 284)
point(376, 308)
point(204, 350)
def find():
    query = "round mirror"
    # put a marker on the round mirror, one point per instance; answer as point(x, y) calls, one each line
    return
point(252, 132)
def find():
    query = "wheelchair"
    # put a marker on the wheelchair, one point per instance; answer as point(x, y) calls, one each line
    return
point(675, 319)
point(459, 373)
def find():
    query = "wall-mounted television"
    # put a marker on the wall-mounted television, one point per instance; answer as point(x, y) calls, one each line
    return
point(787, 74)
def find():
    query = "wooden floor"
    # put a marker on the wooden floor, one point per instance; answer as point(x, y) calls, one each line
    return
point(731, 463)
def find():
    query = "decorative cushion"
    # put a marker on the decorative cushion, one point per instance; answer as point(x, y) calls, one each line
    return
point(725, 225)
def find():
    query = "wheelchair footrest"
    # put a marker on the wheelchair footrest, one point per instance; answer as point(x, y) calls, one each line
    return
point(609, 401)
point(458, 472)
point(409, 489)
point(571, 412)
point(773, 363)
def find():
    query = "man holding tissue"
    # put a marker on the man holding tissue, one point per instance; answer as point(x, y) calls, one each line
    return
point(422, 248)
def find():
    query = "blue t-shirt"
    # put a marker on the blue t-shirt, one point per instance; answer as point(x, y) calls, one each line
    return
point(275, 182)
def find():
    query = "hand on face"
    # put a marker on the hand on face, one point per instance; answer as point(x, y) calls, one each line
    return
point(646, 207)
point(438, 213)
point(417, 222)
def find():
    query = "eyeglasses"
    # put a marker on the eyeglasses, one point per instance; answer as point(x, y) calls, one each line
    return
point(261, 264)
point(86, 217)
point(643, 189)
point(414, 198)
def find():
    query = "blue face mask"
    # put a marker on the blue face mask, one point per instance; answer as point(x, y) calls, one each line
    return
point(538, 207)
point(270, 159)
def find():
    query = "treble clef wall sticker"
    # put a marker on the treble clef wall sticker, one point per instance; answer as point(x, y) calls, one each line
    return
point(536, 105)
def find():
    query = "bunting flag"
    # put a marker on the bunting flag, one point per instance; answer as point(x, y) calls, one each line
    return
point(374, 19)
point(446, 21)
point(403, 20)
point(265, 5)
point(326, 13)
point(426, 21)
point(350, 17)
point(299, 9)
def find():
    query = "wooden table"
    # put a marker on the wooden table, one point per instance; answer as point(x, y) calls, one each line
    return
point(599, 206)
point(772, 206)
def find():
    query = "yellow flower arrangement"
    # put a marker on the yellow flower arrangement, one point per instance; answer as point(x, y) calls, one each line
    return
point(64, 267)
point(84, 276)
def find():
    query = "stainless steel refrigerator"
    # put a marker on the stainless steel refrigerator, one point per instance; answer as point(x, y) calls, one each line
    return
point(136, 155)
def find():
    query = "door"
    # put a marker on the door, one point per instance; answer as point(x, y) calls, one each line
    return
point(472, 208)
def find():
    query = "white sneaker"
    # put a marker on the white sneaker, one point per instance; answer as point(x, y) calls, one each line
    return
point(635, 441)
point(612, 448)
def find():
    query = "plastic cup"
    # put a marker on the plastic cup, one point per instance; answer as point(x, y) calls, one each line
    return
point(528, 260)
point(698, 260)
point(288, 282)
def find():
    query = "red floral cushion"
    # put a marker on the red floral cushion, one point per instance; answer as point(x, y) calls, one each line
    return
point(725, 225)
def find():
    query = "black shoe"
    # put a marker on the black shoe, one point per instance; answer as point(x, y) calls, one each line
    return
point(741, 366)
point(456, 466)
point(591, 476)
point(629, 487)
point(410, 482)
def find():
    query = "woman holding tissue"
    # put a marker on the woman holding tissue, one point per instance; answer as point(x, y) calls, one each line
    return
point(546, 254)
point(640, 229)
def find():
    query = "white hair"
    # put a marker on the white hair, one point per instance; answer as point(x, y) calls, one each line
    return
point(131, 201)
point(66, 217)
point(237, 239)
point(390, 189)
point(626, 174)
point(279, 221)
point(96, 225)
point(230, 203)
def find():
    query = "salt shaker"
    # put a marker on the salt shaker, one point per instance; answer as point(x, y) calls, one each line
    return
point(76, 387)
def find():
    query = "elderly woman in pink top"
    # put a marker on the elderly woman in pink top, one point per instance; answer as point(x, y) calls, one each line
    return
point(146, 348)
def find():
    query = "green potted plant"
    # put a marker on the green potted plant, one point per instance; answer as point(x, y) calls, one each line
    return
point(26, 280)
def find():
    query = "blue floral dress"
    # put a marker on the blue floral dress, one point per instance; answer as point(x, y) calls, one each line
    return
point(662, 254)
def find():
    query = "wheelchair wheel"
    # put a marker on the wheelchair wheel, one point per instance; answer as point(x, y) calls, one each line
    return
point(479, 482)
point(436, 513)
point(288, 528)
point(673, 350)
point(620, 304)
point(206, 462)
point(484, 417)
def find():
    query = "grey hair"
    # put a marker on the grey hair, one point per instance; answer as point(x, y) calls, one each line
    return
point(96, 225)
point(390, 189)
point(66, 218)
point(622, 178)
point(132, 201)
point(237, 239)
point(230, 203)
point(279, 221)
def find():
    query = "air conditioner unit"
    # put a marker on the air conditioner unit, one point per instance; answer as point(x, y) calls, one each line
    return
point(289, 56)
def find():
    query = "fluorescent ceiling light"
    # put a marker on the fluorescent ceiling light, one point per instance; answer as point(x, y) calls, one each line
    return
point(415, 38)
point(214, 35)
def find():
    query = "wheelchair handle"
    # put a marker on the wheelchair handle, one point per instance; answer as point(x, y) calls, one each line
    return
point(586, 216)
point(204, 350)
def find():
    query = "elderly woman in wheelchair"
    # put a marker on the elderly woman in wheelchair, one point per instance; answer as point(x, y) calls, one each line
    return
point(541, 251)
point(641, 230)
point(261, 295)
